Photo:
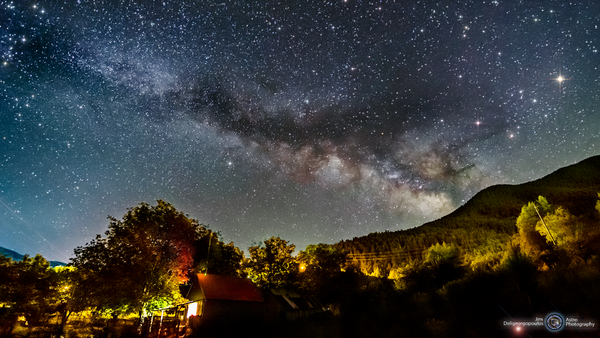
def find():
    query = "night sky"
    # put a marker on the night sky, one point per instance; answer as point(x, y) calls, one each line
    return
point(315, 121)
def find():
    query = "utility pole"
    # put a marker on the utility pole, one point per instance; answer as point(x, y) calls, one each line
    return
point(208, 252)
point(544, 223)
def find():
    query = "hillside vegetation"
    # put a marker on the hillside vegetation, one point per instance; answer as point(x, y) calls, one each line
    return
point(481, 228)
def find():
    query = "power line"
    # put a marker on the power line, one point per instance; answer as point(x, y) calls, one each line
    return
point(395, 254)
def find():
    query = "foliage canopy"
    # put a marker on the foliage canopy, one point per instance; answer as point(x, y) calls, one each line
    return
point(272, 265)
point(141, 261)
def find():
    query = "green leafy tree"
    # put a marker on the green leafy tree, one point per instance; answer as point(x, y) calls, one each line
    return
point(8, 283)
point(440, 254)
point(67, 303)
point(214, 256)
point(272, 265)
point(488, 254)
point(36, 293)
point(100, 277)
point(320, 268)
point(442, 264)
point(141, 261)
point(29, 288)
point(588, 242)
point(531, 242)
point(561, 227)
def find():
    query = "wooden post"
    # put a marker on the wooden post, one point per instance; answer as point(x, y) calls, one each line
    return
point(162, 313)
point(151, 322)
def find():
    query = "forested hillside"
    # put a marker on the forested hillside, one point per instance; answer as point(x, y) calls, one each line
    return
point(481, 228)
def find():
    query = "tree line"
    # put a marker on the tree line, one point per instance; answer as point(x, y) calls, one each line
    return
point(140, 264)
point(144, 258)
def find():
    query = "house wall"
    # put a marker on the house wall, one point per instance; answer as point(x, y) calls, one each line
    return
point(227, 311)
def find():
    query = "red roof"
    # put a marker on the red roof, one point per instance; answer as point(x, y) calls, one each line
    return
point(229, 288)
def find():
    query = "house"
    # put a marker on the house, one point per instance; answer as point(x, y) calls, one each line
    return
point(219, 304)
point(216, 298)
point(213, 301)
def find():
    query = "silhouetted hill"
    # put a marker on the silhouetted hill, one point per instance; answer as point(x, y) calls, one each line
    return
point(574, 187)
point(11, 254)
point(17, 257)
point(489, 218)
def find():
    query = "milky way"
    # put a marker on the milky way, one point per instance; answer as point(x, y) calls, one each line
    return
point(315, 121)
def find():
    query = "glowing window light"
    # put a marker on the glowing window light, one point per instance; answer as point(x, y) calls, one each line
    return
point(192, 310)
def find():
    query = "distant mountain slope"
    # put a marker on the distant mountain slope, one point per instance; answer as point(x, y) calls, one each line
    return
point(11, 254)
point(17, 257)
point(575, 187)
point(490, 216)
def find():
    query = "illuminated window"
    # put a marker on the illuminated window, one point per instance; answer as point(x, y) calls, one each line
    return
point(192, 309)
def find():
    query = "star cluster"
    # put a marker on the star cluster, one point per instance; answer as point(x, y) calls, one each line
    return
point(315, 121)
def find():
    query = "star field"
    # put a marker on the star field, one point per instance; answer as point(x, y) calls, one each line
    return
point(315, 121)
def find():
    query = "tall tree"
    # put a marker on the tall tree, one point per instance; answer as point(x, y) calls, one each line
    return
point(141, 261)
point(65, 286)
point(561, 227)
point(321, 269)
point(28, 287)
point(214, 256)
point(272, 265)
point(441, 265)
point(531, 242)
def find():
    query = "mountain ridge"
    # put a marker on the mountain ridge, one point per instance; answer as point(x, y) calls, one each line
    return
point(15, 256)
point(488, 219)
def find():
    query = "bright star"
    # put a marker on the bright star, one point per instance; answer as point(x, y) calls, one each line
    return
point(560, 79)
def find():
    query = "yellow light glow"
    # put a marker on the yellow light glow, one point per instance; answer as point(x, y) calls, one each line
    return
point(560, 79)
